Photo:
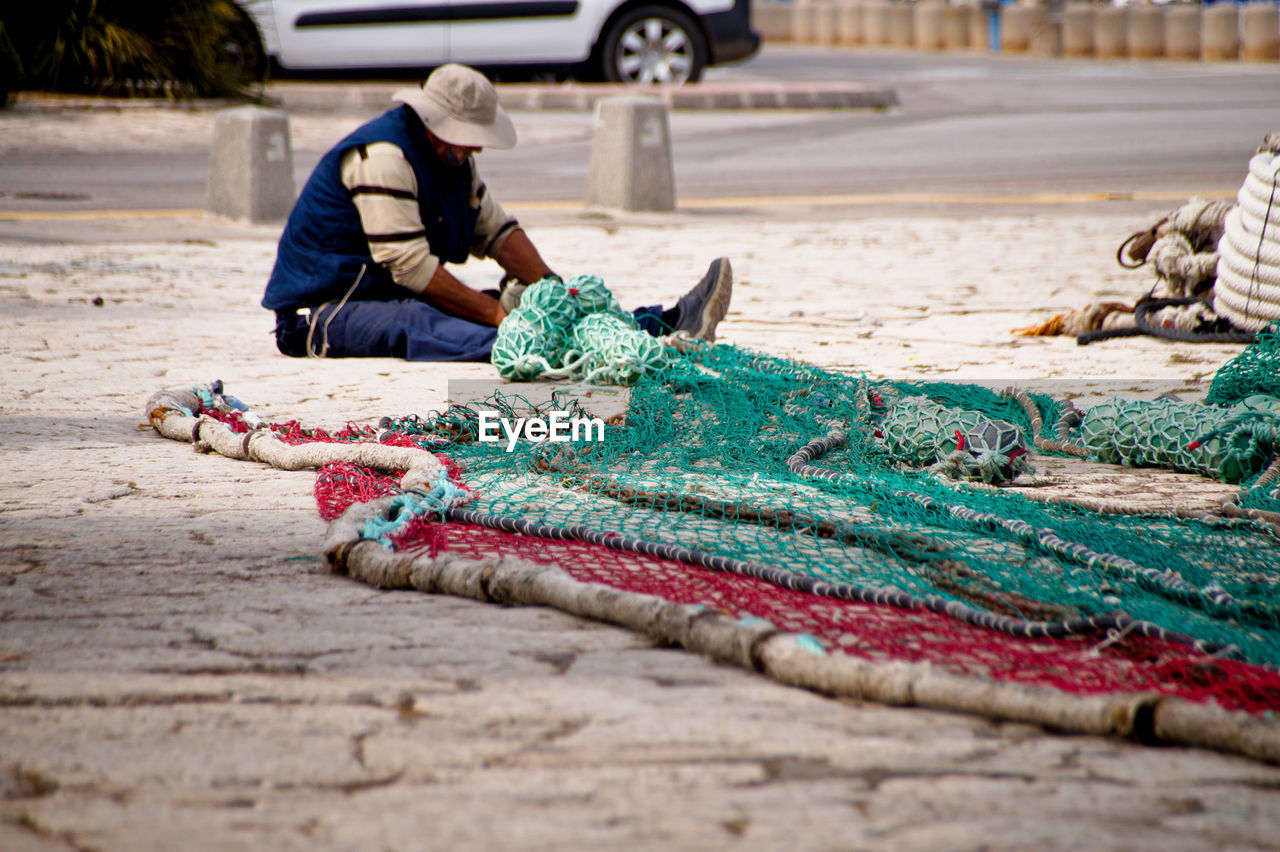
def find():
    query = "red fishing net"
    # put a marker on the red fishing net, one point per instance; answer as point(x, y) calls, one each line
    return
point(1100, 663)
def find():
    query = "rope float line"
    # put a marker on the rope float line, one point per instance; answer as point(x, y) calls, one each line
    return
point(170, 420)
point(263, 447)
point(784, 657)
point(787, 658)
point(169, 412)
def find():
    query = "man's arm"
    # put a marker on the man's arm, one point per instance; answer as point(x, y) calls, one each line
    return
point(520, 258)
point(384, 189)
point(499, 236)
point(449, 294)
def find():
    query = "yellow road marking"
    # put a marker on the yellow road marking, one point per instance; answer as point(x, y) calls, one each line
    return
point(946, 198)
point(854, 200)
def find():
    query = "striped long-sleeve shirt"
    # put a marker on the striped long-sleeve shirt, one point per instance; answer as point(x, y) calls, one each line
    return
point(385, 192)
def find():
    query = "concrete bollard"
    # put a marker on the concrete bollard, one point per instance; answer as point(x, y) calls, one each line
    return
point(826, 16)
point(1260, 32)
point(803, 30)
point(1144, 32)
point(1220, 32)
point(772, 21)
point(630, 164)
point(849, 22)
point(1182, 32)
point(1046, 35)
point(1077, 29)
point(979, 27)
point(875, 22)
point(928, 25)
point(1016, 23)
point(955, 27)
point(251, 166)
point(902, 25)
point(1109, 27)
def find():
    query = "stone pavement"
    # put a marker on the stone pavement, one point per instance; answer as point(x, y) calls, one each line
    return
point(178, 668)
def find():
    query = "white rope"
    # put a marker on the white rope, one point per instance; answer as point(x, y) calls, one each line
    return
point(170, 413)
point(1247, 291)
point(1265, 274)
point(1247, 247)
point(1242, 303)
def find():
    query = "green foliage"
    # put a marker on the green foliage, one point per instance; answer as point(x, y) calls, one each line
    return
point(169, 48)
point(10, 67)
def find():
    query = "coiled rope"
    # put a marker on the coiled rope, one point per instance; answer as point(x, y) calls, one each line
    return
point(1217, 268)
point(1248, 288)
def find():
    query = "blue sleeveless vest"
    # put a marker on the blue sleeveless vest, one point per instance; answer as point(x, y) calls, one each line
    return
point(323, 245)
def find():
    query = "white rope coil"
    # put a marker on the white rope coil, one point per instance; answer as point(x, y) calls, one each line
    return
point(1250, 249)
point(1247, 306)
point(1247, 291)
point(1264, 274)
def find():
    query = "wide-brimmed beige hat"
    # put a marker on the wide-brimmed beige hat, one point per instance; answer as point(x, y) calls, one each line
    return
point(459, 105)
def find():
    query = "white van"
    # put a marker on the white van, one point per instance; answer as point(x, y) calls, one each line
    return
point(628, 41)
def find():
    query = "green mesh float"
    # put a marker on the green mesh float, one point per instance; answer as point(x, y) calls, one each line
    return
point(527, 346)
point(614, 351)
point(550, 306)
point(592, 296)
point(574, 330)
point(960, 443)
point(1231, 444)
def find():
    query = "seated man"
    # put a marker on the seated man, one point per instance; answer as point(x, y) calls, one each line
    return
point(360, 270)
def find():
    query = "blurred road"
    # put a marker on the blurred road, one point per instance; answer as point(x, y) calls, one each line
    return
point(966, 124)
point(970, 128)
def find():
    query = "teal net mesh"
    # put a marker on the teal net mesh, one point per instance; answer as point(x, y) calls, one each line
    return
point(1256, 370)
point(707, 459)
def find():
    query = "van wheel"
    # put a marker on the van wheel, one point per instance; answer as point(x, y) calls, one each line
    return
point(653, 44)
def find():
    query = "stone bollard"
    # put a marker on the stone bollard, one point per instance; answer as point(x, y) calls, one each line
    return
point(1220, 32)
point(849, 23)
point(979, 27)
point(955, 27)
point(1046, 35)
point(1260, 32)
point(803, 29)
point(1016, 23)
point(875, 22)
point(902, 25)
point(630, 164)
point(1077, 29)
point(1182, 32)
point(928, 25)
point(826, 18)
point(1109, 26)
point(251, 166)
point(771, 20)
point(1144, 32)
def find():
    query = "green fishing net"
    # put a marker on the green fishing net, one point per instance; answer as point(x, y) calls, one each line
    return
point(707, 458)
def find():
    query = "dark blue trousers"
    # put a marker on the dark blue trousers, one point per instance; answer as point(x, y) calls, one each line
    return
point(404, 328)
